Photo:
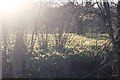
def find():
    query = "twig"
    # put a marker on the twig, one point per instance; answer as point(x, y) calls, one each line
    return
point(98, 69)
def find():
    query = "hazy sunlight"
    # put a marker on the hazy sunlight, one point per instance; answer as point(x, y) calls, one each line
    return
point(9, 6)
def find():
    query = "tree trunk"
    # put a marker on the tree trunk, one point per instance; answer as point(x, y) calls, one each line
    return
point(18, 54)
point(118, 39)
point(4, 53)
point(0, 49)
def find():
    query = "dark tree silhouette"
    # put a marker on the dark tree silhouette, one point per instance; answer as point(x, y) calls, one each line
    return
point(118, 38)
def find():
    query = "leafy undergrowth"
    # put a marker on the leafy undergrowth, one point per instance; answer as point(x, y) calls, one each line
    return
point(72, 66)
point(71, 44)
point(97, 36)
point(77, 58)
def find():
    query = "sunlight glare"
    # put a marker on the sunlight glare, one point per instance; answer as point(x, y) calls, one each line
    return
point(9, 6)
